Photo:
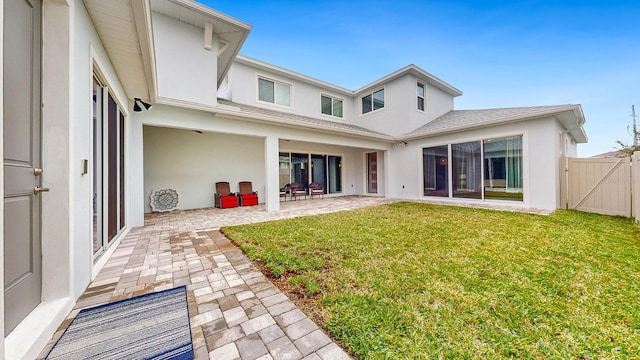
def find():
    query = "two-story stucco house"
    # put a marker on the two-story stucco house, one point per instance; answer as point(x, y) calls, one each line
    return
point(80, 160)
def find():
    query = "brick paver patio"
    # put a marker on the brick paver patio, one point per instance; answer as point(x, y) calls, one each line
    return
point(235, 311)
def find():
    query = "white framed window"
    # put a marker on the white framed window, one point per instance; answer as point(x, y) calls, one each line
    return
point(420, 95)
point(373, 101)
point(331, 106)
point(274, 92)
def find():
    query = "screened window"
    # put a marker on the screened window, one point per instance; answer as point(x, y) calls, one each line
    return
point(274, 92)
point(467, 171)
point(331, 106)
point(487, 169)
point(503, 168)
point(373, 101)
point(436, 171)
point(420, 93)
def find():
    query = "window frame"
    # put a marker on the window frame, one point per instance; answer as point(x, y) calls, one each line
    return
point(523, 159)
point(373, 109)
point(420, 83)
point(108, 166)
point(275, 83)
point(333, 101)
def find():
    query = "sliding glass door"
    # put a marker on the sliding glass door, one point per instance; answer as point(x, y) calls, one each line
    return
point(307, 168)
point(108, 168)
point(486, 169)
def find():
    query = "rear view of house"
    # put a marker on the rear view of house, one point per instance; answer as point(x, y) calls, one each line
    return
point(81, 158)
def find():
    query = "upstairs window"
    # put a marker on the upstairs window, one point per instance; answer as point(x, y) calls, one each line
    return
point(331, 106)
point(274, 92)
point(373, 101)
point(420, 92)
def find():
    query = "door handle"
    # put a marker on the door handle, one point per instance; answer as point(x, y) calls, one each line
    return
point(37, 190)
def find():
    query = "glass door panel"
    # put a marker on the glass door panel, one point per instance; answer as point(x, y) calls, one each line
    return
point(467, 170)
point(300, 169)
point(335, 174)
point(319, 170)
point(284, 171)
point(372, 173)
point(97, 167)
point(436, 171)
point(503, 168)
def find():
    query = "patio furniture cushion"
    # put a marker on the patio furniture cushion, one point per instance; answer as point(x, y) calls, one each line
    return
point(228, 201)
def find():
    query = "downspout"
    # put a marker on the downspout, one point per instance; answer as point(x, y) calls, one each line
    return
point(566, 161)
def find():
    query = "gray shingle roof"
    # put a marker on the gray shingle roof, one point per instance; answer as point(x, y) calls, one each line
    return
point(304, 121)
point(465, 119)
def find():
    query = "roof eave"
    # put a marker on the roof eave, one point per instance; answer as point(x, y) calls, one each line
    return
point(249, 61)
point(231, 113)
point(418, 72)
point(235, 33)
point(577, 130)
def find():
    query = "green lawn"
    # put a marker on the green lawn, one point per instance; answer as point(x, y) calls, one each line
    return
point(411, 280)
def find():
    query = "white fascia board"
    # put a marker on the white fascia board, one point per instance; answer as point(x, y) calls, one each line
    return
point(410, 69)
point(556, 112)
point(209, 12)
point(142, 16)
point(245, 60)
point(573, 122)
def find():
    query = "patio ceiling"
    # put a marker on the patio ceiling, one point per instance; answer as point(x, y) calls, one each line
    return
point(116, 26)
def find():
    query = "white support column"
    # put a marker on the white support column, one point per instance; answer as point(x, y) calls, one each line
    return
point(272, 179)
point(135, 171)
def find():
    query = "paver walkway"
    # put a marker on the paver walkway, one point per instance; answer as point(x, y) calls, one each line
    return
point(235, 311)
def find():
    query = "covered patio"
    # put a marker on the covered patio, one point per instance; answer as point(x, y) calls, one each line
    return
point(235, 311)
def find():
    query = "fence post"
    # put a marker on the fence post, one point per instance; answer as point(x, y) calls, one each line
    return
point(635, 185)
point(564, 202)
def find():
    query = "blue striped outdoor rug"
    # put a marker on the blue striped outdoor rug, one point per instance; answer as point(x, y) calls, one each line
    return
point(151, 326)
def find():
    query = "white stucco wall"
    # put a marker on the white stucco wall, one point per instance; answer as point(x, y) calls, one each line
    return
point(399, 116)
point(87, 50)
point(540, 156)
point(243, 140)
point(305, 98)
point(192, 163)
point(182, 59)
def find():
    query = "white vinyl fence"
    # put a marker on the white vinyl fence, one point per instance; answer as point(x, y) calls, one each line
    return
point(608, 186)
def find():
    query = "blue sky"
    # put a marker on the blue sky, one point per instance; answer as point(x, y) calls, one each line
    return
point(499, 53)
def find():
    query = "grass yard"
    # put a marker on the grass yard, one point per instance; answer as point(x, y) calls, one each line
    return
point(411, 280)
